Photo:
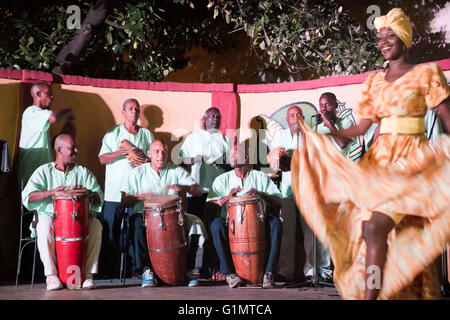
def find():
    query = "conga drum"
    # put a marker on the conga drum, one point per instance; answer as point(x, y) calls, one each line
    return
point(246, 233)
point(166, 240)
point(71, 233)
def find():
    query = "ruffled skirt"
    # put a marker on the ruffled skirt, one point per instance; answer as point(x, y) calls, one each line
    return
point(400, 175)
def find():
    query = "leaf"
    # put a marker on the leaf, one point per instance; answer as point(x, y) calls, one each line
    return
point(109, 38)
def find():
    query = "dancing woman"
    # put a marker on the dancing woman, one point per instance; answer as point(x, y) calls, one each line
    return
point(386, 219)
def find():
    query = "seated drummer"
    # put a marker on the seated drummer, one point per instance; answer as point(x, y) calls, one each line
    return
point(243, 182)
point(161, 178)
point(48, 179)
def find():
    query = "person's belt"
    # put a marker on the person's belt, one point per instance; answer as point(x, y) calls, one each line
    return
point(402, 125)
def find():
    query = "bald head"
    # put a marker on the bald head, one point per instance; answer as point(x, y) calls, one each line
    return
point(38, 87)
point(62, 139)
point(293, 115)
point(211, 118)
point(158, 154)
point(42, 95)
point(66, 149)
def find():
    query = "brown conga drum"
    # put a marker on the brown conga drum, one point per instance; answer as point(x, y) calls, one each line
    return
point(166, 240)
point(246, 233)
point(71, 234)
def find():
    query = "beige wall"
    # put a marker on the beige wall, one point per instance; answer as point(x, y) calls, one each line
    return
point(99, 109)
point(9, 93)
point(253, 104)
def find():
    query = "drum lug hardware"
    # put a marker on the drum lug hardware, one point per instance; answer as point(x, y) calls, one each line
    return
point(242, 215)
point(260, 212)
point(180, 214)
point(74, 212)
point(232, 227)
point(162, 225)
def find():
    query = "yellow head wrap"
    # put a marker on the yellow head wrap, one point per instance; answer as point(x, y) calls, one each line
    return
point(397, 20)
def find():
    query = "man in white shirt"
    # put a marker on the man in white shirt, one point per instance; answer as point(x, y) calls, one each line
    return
point(43, 184)
point(204, 151)
point(289, 139)
point(34, 145)
point(113, 155)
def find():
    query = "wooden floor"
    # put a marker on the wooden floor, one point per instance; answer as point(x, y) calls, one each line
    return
point(132, 290)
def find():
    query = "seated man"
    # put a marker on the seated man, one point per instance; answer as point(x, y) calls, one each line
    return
point(43, 184)
point(160, 178)
point(239, 182)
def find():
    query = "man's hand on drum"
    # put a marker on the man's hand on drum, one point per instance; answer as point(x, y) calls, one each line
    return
point(93, 197)
point(123, 150)
point(177, 187)
point(252, 192)
point(38, 196)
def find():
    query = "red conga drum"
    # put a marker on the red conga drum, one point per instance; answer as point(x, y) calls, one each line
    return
point(71, 233)
point(166, 240)
point(247, 234)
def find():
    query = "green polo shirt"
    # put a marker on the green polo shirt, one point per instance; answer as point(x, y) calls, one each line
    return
point(341, 123)
point(224, 183)
point(144, 179)
point(289, 142)
point(34, 147)
point(118, 170)
point(212, 145)
point(47, 177)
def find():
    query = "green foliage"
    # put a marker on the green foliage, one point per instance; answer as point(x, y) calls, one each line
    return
point(303, 35)
point(145, 40)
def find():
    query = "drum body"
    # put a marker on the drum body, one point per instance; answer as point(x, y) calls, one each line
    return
point(71, 233)
point(166, 239)
point(246, 233)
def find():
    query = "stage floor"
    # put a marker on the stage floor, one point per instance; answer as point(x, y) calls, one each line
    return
point(208, 290)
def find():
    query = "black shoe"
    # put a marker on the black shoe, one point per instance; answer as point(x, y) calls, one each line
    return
point(326, 280)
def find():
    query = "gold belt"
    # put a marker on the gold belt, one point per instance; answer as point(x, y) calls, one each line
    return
point(402, 125)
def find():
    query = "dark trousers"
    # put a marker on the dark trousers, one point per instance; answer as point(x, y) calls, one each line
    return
point(196, 256)
point(292, 239)
point(219, 233)
point(138, 239)
point(115, 239)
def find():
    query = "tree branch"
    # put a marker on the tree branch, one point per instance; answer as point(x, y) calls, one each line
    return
point(72, 50)
point(114, 24)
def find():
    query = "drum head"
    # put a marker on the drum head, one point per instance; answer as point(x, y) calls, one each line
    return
point(70, 194)
point(236, 200)
point(161, 201)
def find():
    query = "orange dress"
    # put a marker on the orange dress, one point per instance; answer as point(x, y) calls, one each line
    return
point(401, 175)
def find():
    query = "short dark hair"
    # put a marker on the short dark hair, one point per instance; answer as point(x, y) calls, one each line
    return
point(330, 95)
point(212, 109)
point(130, 100)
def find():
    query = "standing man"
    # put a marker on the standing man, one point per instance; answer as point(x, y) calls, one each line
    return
point(160, 178)
point(113, 155)
point(239, 182)
point(34, 145)
point(327, 105)
point(287, 141)
point(37, 195)
point(204, 151)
